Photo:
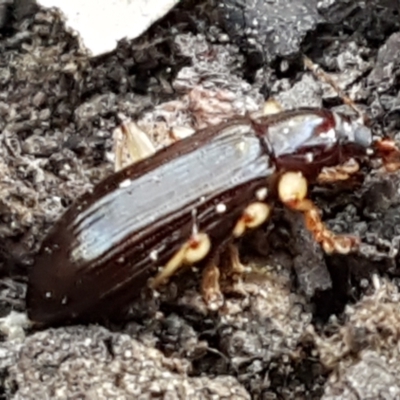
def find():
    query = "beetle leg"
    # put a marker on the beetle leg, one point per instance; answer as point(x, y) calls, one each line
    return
point(235, 270)
point(254, 215)
point(292, 190)
point(223, 269)
point(210, 285)
point(193, 251)
point(338, 173)
point(390, 153)
point(132, 142)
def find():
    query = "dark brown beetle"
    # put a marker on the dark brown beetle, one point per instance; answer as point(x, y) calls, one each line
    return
point(185, 203)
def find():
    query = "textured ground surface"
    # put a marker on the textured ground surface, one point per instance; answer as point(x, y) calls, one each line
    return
point(311, 326)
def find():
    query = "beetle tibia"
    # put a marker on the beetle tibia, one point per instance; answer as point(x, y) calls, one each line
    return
point(292, 191)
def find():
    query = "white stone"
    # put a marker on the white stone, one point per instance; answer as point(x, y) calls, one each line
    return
point(14, 324)
point(102, 23)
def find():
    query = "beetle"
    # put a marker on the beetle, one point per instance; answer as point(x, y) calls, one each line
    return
point(185, 203)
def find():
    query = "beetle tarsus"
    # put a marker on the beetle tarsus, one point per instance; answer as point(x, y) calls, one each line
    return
point(331, 242)
point(210, 285)
point(292, 190)
point(338, 173)
point(390, 153)
point(223, 274)
point(234, 271)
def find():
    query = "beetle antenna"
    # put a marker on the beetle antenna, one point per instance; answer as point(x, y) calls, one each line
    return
point(320, 74)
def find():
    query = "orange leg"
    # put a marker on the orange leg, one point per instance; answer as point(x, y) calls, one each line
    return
point(390, 153)
point(292, 189)
point(224, 270)
point(210, 285)
point(338, 173)
point(191, 252)
point(234, 271)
